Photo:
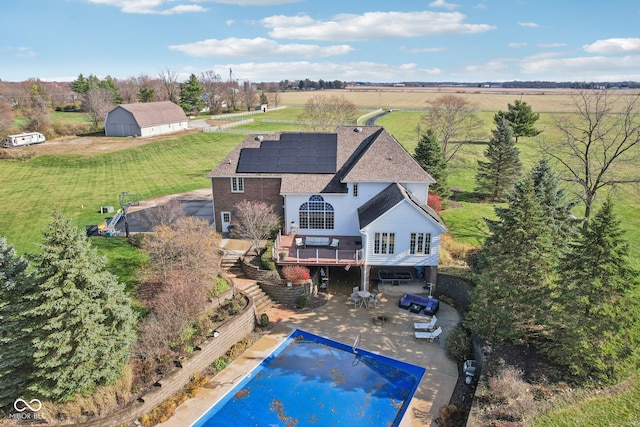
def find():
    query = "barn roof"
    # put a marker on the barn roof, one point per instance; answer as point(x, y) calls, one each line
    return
point(155, 113)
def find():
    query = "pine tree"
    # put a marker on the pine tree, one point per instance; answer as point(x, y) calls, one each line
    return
point(81, 321)
point(596, 333)
point(497, 176)
point(16, 352)
point(555, 202)
point(521, 118)
point(429, 155)
point(191, 95)
point(511, 295)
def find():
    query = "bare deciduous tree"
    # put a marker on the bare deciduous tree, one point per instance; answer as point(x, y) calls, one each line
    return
point(600, 144)
point(255, 222)
point(97, 101)
point(326, 113)
point(454, 122)
point(248, 95)
point(166, 214)
point(187, 245)
point(172, 87)
point(6, 117)
point(211, 83)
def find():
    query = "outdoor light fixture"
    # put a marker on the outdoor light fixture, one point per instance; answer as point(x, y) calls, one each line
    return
point(215, 334)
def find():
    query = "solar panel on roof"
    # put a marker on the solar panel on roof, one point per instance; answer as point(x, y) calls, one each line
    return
point(293, 153)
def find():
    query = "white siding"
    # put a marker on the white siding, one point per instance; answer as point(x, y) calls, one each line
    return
point(402, 220)
point(345, 207)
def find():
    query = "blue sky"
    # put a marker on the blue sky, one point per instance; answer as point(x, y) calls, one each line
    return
point(348, 40)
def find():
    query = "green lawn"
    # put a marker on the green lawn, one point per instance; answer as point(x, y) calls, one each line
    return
point(78, 186)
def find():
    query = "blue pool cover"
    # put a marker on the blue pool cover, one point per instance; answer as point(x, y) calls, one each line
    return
point(310, 380)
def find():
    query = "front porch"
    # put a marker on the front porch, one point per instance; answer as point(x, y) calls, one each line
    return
point(348, 252)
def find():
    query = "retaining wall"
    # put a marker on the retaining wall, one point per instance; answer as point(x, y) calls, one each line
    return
point(289, 295)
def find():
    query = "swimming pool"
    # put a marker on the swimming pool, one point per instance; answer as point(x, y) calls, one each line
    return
point(311, 380)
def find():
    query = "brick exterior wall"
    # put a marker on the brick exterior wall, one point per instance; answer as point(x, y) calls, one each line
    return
point(265, 190)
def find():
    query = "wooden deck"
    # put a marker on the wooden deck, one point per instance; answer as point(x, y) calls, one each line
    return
point(349, 251)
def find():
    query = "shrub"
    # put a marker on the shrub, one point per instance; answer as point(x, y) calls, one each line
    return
point(303, 301)
point(449, 416)
point(264, 320)
point(265, 259)
point(296, 273)
point(433, 201)
point(459, 344)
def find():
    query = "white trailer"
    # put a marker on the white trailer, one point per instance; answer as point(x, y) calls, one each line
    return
point(21, 139)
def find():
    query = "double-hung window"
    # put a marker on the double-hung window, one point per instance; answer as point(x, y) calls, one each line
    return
point(237, 184)
point(384, 243)
point(420, 243)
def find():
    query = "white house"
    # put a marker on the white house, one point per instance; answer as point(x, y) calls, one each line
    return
point(145, 119)
point(354, 197)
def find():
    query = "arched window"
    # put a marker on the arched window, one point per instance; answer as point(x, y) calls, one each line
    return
point(316, 213)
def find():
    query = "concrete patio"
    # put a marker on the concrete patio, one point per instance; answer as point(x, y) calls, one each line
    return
point(339, 321)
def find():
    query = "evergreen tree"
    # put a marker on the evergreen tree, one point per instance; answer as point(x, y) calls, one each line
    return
point(521, 118)
point(555, 202)
point(429, 155)
point(81, 321)
point(497, 176)
point(510, 299)
point(16, 352)
point(191, 95)
point(596, 331)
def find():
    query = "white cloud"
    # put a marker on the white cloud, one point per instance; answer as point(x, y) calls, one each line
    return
point(614, 46)
point(422, 49)
point(347, 71)
point(183, 9)
point(443, 4)
point(157, 6)
point(583, 67)
point(487, 67)
point(529, 24)
point(150, 6)
point(372, 26)
point(257, 48)
point(517, 45)
point(25, 52)
point(550, 45)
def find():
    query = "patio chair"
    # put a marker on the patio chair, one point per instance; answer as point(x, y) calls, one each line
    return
point(334, 243)
point(427, 326)
point(355, 300)
point(373, 299)
point(429, 336)
point(355, 289)
point(299, 242)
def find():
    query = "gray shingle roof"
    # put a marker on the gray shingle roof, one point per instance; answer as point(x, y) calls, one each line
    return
point(364, 154)
point(155, 113)
point(387, 199)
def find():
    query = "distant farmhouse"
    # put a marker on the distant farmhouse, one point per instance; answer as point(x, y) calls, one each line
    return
point(354, 197)
point(145, 119)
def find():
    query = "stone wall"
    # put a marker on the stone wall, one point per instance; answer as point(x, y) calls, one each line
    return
point(254, 273)
point(288, 295)
point(231, 332)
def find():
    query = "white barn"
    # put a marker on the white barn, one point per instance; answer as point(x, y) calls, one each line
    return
point(145, 119)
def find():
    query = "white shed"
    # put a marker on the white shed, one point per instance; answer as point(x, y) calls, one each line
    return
point(145, 119)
